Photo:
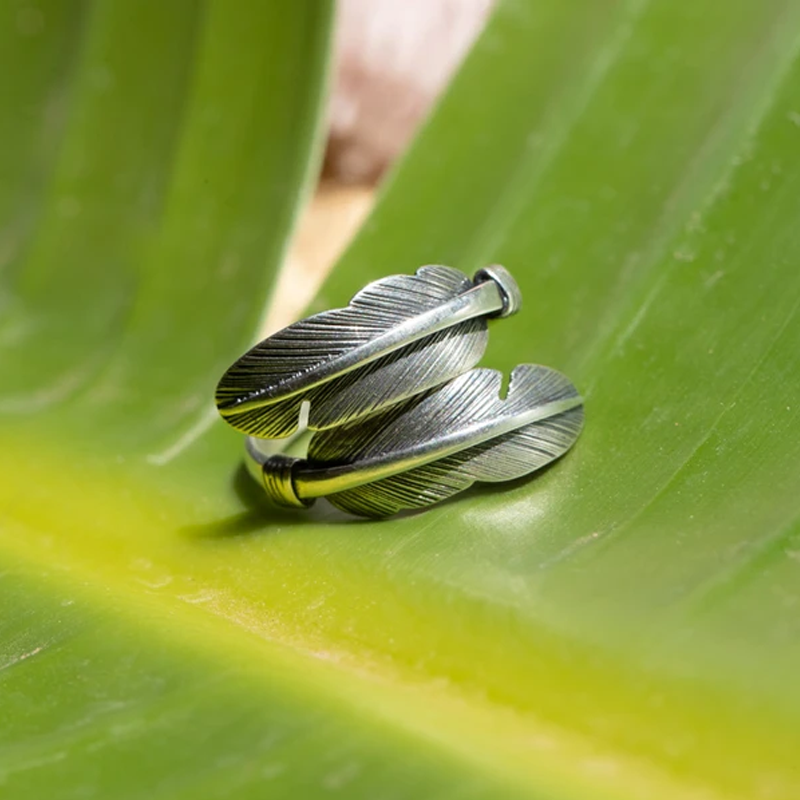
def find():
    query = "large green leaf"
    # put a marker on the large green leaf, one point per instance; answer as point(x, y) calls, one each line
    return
point(624, 625)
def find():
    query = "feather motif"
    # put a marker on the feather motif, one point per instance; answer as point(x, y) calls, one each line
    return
point(432, 447)
point(398, 336)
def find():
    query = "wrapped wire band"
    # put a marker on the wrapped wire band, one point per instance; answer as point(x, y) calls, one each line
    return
point(274, 473)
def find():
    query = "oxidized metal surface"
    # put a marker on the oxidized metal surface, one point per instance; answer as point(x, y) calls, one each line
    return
point(401, 418)
point(398, 336)
point(436, 445)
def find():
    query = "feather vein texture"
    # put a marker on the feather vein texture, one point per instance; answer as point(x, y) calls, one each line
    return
point(442, 442)
point(325, 359)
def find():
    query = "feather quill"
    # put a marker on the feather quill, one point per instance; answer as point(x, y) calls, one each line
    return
point(429, 448)
point(398, 336)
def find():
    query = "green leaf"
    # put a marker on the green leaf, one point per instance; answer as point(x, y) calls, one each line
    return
point(623, 625)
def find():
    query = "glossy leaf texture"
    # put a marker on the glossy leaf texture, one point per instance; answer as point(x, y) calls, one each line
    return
point(624, 625)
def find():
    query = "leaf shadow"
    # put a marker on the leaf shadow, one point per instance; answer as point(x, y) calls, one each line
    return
point(260, 517)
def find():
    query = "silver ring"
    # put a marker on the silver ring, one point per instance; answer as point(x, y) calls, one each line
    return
point(401, 418)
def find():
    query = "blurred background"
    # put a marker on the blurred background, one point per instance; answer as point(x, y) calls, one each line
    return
point(392, 58)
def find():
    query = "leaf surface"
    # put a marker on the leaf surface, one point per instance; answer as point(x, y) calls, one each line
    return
point(622, 626)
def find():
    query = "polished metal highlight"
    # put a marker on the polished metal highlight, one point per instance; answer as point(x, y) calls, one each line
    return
point(399, 336)
point(432, 446)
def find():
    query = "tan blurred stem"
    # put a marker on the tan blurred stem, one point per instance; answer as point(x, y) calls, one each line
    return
point(326, 226)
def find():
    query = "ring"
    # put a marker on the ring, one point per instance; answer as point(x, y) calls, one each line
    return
point(401, 418)
point(399, 336)
point(431, 447)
